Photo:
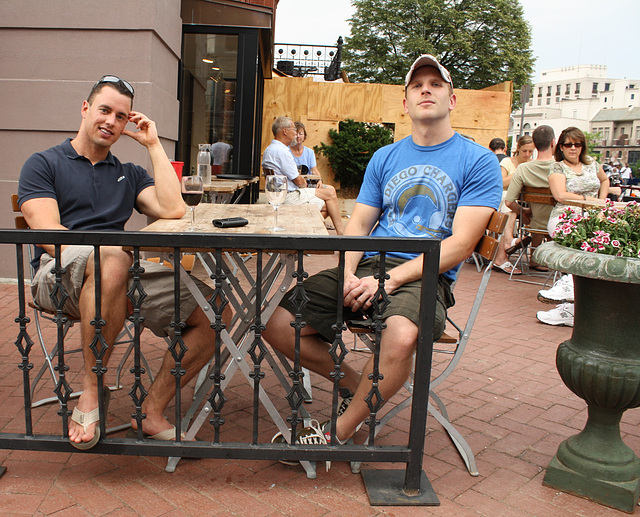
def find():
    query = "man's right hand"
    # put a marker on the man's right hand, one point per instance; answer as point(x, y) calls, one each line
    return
point(358, 292)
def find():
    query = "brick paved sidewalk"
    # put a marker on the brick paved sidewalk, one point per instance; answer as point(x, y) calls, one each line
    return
point(505, 397)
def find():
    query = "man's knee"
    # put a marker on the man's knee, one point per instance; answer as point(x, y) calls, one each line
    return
point(400, 337)
point(198, 319)
point(114, 265)
point(278, 330)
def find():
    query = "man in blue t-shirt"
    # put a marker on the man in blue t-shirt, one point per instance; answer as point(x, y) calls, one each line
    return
point(434, 183)
point(80, 185)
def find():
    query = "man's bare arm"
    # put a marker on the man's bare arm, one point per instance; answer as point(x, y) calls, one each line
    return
point(300, 181)
point(163, 200)
point(42, 213)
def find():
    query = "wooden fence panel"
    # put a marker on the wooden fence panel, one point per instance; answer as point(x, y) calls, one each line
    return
point(481, 114)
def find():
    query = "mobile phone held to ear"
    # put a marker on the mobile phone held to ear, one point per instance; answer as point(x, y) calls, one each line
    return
point(230, 222)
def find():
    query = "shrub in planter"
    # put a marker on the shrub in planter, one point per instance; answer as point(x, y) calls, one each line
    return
point(351, 149)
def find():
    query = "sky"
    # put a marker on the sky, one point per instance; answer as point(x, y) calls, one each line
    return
point(587, 32)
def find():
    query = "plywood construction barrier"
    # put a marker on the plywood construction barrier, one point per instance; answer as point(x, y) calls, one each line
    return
point(480, 114)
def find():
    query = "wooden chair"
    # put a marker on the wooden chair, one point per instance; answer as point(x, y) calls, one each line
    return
point(41, 315)
point(452, 346)
point(531, 197)
point(187, 261)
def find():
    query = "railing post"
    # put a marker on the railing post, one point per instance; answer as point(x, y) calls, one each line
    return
point(412, 487)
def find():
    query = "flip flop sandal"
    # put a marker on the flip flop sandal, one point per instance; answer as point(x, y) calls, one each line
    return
point(167, 435)
point(507, 268)
point(87, 419)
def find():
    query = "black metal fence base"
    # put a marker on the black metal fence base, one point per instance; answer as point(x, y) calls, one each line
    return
point(386, 488)
point(2, 470)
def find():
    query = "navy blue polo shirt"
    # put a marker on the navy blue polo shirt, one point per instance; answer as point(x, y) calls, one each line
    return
point(90, 197)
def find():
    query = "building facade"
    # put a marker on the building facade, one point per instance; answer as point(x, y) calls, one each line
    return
point(197, 66)
point(572, 96)
point(618, 132)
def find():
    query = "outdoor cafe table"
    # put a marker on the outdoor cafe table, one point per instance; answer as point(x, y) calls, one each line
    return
point(593, 203)
point(222, 190)
point(240, 290)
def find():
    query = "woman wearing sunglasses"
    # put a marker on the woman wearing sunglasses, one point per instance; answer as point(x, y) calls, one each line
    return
point(574, 175)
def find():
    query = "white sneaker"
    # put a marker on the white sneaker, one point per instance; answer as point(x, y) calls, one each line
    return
point(561, 315)
point(561, 292)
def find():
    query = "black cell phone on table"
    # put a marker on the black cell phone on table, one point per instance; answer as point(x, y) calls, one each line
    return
point(230, 222)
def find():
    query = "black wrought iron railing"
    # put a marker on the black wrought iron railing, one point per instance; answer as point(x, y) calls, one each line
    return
point(36, 434)
point(300, 60)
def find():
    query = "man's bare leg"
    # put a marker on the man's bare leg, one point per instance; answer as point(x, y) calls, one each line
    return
point(397, 346)
point(199, 338)
point(396, 360)
point(114, 267)
point(328, 194)
point(314, 353)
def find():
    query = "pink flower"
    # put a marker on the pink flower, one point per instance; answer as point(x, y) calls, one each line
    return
point(615, 243)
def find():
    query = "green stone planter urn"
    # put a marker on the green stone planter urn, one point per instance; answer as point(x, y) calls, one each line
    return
point(600, 364)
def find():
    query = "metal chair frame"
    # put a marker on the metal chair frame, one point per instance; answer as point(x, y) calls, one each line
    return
point(532, 196)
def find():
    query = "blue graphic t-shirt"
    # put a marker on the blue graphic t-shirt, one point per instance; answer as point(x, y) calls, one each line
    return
point(419, 188)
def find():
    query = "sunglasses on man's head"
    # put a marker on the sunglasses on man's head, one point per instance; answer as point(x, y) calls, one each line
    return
point(115, 79)
point(577, 145)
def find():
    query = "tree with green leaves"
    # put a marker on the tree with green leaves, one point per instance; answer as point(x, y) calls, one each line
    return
point(592, 140)
point(480, 42)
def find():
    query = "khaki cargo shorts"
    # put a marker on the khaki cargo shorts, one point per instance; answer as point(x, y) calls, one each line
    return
point(157, 280)
point(304, 196)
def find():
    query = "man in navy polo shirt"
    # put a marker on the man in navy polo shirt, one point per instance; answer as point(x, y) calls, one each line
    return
point(80, 185)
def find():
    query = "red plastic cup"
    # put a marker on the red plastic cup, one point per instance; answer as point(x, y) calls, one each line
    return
point(177, 166)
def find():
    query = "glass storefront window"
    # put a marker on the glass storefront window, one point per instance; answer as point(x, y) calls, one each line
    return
point(209, 87)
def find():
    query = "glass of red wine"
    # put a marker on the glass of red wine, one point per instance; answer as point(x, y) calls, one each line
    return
point(192, 190)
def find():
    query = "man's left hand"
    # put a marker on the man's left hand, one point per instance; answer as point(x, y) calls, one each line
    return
point(147, 133)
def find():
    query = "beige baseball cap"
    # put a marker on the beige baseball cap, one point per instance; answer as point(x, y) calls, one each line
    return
point(428, 60)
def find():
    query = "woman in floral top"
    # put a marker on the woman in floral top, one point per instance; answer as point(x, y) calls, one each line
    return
point(575, 175)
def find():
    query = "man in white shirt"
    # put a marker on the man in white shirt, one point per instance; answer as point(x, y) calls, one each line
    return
point(277, 159)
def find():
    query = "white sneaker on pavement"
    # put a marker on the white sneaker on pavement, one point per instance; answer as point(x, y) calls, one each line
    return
point(561, 315)
point(561, 292)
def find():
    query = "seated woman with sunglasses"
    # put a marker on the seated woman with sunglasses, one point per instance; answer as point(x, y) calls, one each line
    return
point(574, 175)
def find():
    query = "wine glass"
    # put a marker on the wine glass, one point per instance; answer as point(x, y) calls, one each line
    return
point(192, 190)
point(276, 192)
